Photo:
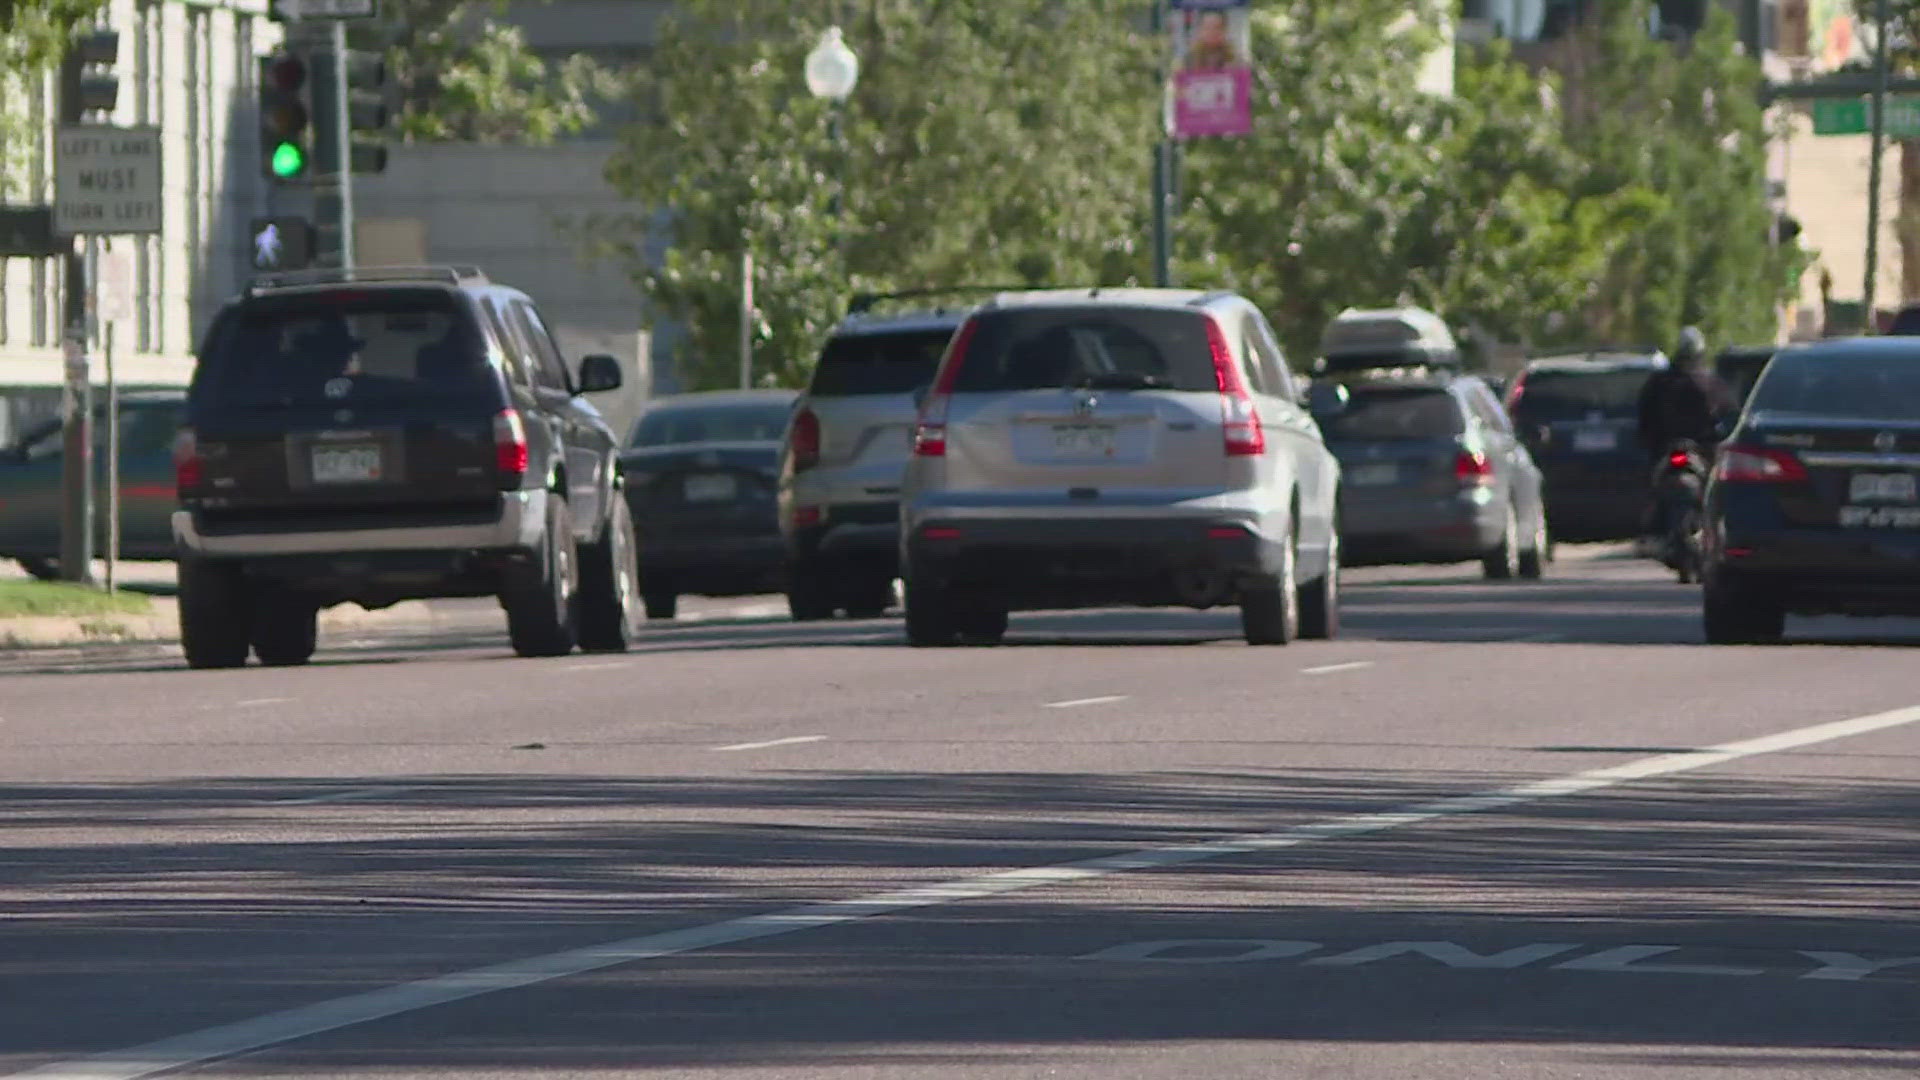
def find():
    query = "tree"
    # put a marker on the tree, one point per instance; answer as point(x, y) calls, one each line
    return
point(988, 141)
point(33, 33)
point(1903, 41)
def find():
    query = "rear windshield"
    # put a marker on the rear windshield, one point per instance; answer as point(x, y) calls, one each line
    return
point(337, 348)
point(1869, 387)
point(1382, 415)
point(1093, 346)
point(879, 363)
point(675, 425)
point(1573, 395)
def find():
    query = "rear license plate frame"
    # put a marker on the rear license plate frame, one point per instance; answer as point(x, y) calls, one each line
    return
point(329, 464)
point(1595, 440)
point(1085, 442)
point(1375, 474)
point(706, 489)
point(1895, 488)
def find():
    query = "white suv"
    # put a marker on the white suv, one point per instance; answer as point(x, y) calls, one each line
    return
point(1136, 446)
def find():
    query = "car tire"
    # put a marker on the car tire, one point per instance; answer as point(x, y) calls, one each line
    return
point(871, 600)
point(543, 605)
point(1270, 609)
point(807, 597)
point(40, 568)
point(609, 586)
point(215, 614)
point(661, 601)
point(1320, 598)
point(983, 624)
point(1539, 552)
point(1503, 562)
point(286, 629)
point(1734, 612)
point(932, 619)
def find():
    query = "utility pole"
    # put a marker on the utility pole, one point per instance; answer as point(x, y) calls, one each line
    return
point(1875, 166)
point(76, 400)
point(1163, 158)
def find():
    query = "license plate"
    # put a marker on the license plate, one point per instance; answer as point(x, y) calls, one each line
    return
point(1083, 441)
point(1880, 517)
point(346, 464)
point(1883, 487)
point(1375, 475)
point(1595, 440)
point(711, 488)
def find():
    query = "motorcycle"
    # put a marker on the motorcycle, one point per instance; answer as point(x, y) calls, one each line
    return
point(1679, 494)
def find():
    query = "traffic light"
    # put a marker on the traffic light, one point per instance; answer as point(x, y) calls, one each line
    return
point(286, 118)
point(367, 113)
point(97, 89)
point(281, 243)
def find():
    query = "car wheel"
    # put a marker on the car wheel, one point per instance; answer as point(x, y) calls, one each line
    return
point(932, 620)
point(1270, 609)
point(871, 600)
point(807, 597)
point(40, 569)
point(1538, 552)
point(286, 629)
point(1736, 613)
point(983, 624)
point(1503, 562)
point(542, 609)
point(1320, 598)
point(215, 614)
point(609, 586)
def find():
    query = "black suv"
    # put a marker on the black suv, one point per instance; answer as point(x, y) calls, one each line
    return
point(395, 434)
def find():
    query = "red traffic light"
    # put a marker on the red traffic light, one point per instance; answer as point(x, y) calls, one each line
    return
point(287, 73)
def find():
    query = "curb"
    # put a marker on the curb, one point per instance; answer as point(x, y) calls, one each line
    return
point(162, 625)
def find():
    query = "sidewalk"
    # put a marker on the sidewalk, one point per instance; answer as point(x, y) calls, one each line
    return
point(161, 625)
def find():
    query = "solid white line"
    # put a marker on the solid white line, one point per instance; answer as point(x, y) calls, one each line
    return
point(341, 796)
point(774, 742)
point(1331, 669)
point(1078, 702)
point(225, 1041)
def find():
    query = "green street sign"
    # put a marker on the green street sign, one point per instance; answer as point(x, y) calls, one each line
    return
point(1854, 116)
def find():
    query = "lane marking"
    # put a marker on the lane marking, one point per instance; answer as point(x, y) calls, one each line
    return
point(773, 742)
point(602, 665)
point(1334, 669)
point(253, 702)
point(342, 796)
point(1078, 702)
point(227, 1040)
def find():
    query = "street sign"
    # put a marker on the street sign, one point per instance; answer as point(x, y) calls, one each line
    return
point(299, 10)
point(106, 180)
point(1854, 116)
point(27, 232)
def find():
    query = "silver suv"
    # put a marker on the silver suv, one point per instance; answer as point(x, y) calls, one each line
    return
point(846, 447)
point(1134, 446)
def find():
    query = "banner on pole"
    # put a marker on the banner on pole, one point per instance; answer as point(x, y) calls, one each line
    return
point(1212, 68)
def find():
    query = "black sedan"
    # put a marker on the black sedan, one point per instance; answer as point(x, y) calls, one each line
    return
point(702, 473)
point(1814, 506)
point(1579, 418)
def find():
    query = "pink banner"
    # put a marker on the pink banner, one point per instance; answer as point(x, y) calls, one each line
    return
point(1209, 103)
point(1212, 68)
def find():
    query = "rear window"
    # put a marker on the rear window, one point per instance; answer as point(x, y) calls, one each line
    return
point(1387, 415)
point(1110, 347)
point(1868, 387)
point(1573, 395)
point(334, 348)
point(881, 363)
point(675, 425)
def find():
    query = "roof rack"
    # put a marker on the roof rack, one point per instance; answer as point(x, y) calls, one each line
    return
point(288, 279)
point(864, 302)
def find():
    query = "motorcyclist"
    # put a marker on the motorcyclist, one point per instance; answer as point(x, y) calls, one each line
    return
point(1683, 404)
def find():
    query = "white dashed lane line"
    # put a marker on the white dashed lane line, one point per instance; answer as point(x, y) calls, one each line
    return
point(1080, 702)
point(1335, 669)
point(772, 743)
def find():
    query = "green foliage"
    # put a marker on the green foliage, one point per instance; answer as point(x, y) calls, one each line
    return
point(33, 33)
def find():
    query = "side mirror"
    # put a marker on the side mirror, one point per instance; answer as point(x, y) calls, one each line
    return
point(600, 373)
point(1326, 399)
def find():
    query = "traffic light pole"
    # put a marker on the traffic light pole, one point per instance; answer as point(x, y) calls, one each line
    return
point(1875, 166)
point(76, 462)
point(343, 144)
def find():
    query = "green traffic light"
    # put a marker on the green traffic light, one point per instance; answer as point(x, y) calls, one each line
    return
point(289, 161)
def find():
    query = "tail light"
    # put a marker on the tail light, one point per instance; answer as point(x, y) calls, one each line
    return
point(189, 468)
point(510, 455)
point(1679, 459)
point(930, 432)
point(804, 440)
point(1758, 465)
point(1473, 469)
point(1239, 417)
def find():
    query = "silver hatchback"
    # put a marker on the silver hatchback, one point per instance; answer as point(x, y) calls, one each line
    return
point(1141, 447)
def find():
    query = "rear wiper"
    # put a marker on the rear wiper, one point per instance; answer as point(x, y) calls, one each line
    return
point(1122, 380)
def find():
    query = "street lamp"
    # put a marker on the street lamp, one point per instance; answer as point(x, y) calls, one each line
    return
point(832, 72)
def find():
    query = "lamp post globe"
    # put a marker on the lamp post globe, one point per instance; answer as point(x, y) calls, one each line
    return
point(832, 68)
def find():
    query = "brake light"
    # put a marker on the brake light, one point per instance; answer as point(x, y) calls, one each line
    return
point(189, 468)
point(510, 454)
point(940, 532)
point(1473, 469)
point(804, 441)
point(930, 431)
point(1679, 459)
point(806, 516)
point(1239, 417)
point(1758, 465)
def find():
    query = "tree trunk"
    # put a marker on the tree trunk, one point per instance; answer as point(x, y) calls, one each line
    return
point(1907, 223)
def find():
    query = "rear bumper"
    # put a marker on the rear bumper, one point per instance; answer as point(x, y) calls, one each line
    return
point(518, 525)
point(1423, 529)
point(1611, 510)
point(861, 534)
point(1827, 571)
point(717, 564)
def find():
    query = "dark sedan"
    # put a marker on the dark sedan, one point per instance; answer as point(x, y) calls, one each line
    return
point(702, 475)
point(1579, 418)
point(1814, 506)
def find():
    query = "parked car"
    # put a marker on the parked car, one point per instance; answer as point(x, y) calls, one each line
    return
point(396, 434)
point(845, 452)
point(1740, 368)
point(31, 496)
point(1125, 446)
point(1814, 506)
point(1578, 416)
point(703, 473)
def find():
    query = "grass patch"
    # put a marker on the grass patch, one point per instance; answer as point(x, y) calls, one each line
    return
point(27, 598)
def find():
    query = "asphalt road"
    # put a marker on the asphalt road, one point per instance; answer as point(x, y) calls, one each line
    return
point(1499, 830)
